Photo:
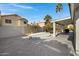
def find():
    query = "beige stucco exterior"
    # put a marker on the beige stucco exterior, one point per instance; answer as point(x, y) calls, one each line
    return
point(75, 16)
point(77, 28)
point(15, 20)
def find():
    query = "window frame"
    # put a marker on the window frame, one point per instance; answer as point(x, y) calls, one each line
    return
point(25, 22)
point(9, 21)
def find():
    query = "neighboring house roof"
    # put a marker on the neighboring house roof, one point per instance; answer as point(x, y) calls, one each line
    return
point(24, 19)
point(10, 15)
point(21, 18)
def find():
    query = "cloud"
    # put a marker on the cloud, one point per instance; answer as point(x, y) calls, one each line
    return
point(8, 11)
point(6, 8)
point(24, 7)
point(5, 13)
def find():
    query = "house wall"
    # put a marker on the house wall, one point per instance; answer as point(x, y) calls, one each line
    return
point(16, 21)
point(10, 31)
point(16, 28)
point(41, 24)
point(77, 30)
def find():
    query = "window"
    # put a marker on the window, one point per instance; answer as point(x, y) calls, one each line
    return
point(24, 22)
point(8, 21)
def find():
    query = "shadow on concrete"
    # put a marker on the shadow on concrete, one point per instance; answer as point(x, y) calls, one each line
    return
point(65, 50)
point(62, 33)
point(11, 37)
point(20, 47)
point(71, 38)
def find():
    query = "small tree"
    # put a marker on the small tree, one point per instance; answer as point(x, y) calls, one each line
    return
point(71, 28)
point(48, 27)
point(48, 24)
point(47, 19)
point(36, 27)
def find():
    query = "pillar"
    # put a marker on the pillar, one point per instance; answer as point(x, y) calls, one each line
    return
point(76, 24)
point(77, 32)
point(77, 36)
point(54, 30)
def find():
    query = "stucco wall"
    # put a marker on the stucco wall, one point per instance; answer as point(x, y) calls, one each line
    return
point(77, 30)
point(11, 31)
point(16, 21)
point(15, 28)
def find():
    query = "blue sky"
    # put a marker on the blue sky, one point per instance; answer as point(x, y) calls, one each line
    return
point(34, 12)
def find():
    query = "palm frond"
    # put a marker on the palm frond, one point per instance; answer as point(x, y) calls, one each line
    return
point(59, 7)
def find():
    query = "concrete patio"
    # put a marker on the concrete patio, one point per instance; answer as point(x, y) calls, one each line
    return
point(41, 44)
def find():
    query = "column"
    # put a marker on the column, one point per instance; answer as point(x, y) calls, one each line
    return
point(76, 23)
point(54, 33)
point(77, 36)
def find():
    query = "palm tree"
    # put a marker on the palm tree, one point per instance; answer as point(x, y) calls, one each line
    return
point(47, 23)
point(59, 7)
point(47, 19)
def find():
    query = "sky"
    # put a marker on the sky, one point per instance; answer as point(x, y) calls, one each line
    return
point(35, 12)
